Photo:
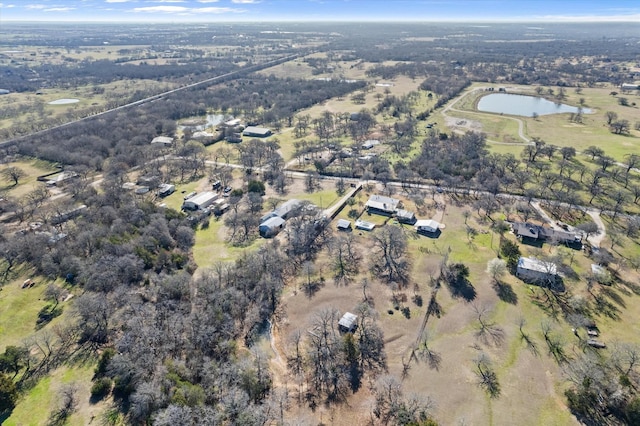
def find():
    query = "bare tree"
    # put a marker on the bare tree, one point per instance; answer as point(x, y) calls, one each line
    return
point(488, 331)
point(390, 249)
point(13, 174)
point(487, 377)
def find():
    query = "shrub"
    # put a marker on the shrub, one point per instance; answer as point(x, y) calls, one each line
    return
point(101, 388)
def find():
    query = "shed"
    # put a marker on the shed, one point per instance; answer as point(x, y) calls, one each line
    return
point(348, 323)
point(200, 201)
point(429, 226)
point(535, 270)
point(405, 216)
point(368, 144)
point(364, 225)
point(344, 225)
point(271, 227)
point(162, 141)
point(166, 189)
point(256, 132)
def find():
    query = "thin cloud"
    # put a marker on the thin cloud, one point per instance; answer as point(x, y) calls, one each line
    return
point(208, 1)
point(35, 6)
point(187, 10)
point(117, 1)
point(58, 9)
point(245, 1)
point(164, 9)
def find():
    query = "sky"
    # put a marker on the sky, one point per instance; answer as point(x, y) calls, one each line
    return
point(319, 10)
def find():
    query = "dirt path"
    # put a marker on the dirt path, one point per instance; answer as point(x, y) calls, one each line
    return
point(596, 239)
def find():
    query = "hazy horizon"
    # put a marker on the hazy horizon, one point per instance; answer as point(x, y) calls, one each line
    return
point(211, 11)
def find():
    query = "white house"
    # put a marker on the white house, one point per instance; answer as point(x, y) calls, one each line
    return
point(428, 225)
point(200, 201)
point(535, 270)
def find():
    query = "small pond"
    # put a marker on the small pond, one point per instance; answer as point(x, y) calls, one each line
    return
point(210, 121)
point(526, 106)
point(64, 101)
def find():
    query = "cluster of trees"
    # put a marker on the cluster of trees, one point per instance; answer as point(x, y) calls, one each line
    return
point(327, 364)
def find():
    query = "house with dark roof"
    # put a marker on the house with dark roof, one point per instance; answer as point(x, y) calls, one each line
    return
point(531, 233)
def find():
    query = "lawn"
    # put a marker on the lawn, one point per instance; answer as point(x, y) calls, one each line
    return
point(556, 129)
point(32, 169)
point(35, 407)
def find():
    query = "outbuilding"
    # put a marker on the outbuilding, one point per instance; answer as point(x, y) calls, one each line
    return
point(364, 225)
point(166, 189)
point(271, 227)
point(348, 323)
point(427, 226)
point(200, 201)
point(344, 225)
point(405, 216)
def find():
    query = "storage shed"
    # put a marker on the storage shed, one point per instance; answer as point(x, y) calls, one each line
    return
point(200, 201)
point(348, 323)
point(427, 226)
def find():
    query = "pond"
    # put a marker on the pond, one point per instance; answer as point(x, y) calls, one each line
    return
point(210, 121)
point(526, 106)
point(64, 101)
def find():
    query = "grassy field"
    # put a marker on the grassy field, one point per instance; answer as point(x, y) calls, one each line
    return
point(556, 129)
point(36, 406)
point(39, 108)
point(32, 169)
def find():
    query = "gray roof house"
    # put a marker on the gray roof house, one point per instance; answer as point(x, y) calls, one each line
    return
point(271, 227)
point(200, 201)
point(162, 141)
point(536, 271)
point(382, 205)
point(256, 132)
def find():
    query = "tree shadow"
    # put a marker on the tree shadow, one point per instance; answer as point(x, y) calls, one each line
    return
point(311, 288)
point(505, 292)
point(462, 288)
